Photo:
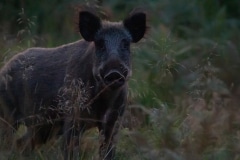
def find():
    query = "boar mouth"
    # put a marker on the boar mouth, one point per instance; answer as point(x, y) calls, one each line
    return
point(114, 79)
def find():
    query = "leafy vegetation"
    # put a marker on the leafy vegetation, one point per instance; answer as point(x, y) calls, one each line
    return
point(184, 93)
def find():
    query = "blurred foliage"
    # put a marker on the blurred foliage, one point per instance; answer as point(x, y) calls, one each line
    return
point(184, 93)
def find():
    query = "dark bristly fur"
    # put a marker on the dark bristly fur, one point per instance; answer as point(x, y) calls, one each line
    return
point(71, 88)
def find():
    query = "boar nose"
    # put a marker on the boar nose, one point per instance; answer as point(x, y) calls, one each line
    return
point(114, 79)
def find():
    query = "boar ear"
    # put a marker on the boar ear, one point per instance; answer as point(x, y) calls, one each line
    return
point(89, 24)
point(136, 25)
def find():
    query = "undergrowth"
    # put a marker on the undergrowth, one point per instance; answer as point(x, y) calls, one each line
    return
point(184, 93)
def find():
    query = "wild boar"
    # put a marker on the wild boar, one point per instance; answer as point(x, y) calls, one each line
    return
point(71, 88)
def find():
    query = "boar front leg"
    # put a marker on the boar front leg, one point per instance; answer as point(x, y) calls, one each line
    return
point(108, 131)
point(71, 140)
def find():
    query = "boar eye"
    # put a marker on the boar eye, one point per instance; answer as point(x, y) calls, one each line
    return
point(125, 44)
point(100, 44)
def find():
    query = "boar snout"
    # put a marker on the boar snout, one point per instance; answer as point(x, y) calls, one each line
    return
point(114, 79)
point(114, 73)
